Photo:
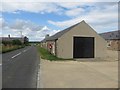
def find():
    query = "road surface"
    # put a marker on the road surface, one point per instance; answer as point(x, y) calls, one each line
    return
point(0, 71)
point(19, 68)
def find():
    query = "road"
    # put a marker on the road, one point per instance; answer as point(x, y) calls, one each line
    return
point(20, 67)
point(0, 71)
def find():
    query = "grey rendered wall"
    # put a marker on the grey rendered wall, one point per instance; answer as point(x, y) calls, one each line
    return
point(65, 42)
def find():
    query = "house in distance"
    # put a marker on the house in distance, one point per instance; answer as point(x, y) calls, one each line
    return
point(113, 39)
point(77, 41)
point(9, 38)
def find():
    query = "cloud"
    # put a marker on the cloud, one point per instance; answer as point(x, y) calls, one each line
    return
point(77, 12)
point(29, 29)
point(102, 16)
point(2, 23)
point(14, 6)
point(22, 24)
point(61, 1)
point(34, 7)
point(70, 5)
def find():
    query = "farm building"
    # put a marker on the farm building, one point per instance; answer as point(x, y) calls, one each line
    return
point(113, 39)
point(77, 41)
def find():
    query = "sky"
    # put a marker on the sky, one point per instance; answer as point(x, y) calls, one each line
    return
point(35, 19)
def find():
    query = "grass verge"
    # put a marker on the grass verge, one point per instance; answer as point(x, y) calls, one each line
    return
point(45, 54)
point(10, 48)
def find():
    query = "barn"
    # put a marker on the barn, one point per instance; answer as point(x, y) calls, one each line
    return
point(77, 41)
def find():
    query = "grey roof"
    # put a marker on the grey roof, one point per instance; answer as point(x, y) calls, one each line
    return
point(44, 40)
point(11, 38)
point(59, 34)
point(113, 35)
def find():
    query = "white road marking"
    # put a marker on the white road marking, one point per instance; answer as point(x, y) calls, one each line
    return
point(16, 55)
point(24, 50)
point(0, 64)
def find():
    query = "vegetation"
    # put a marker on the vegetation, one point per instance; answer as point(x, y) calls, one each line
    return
point(26, 42)
point(8, 46)
point(16, 42)
point(47, 55)
point(13, 42)
point(7, 43)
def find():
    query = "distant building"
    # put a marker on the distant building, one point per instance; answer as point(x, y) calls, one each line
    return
point(113, 39)
point(77, 41)
point(22, 39)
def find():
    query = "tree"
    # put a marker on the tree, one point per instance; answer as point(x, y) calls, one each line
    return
point(26, 40)
point(16, 42)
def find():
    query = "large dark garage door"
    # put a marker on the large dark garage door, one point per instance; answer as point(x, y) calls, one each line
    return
point(83, 47)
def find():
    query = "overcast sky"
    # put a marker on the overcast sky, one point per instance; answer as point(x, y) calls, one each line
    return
point(36, 19)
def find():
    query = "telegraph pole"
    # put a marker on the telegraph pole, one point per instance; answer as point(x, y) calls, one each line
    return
point(21, 34)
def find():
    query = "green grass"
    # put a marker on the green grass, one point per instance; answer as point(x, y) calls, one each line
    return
point(46, 54)
point(5, 49)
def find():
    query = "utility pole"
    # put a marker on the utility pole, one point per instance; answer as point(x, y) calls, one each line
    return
point(22, 38)
point(21, 34)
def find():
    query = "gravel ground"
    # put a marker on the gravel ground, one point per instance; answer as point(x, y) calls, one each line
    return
point(77, 74)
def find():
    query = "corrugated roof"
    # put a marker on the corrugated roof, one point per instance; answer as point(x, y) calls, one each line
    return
point(111, 35)
point(59, 34)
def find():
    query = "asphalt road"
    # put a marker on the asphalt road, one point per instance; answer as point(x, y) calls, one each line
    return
point(19, 68)
point(0, 71)
point(0, 77)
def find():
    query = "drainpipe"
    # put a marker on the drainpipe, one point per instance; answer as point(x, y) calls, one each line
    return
point(56, 47)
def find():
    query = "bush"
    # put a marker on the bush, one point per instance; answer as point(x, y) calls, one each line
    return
point(16, 42)
point(6, 43)
point(11, 45)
